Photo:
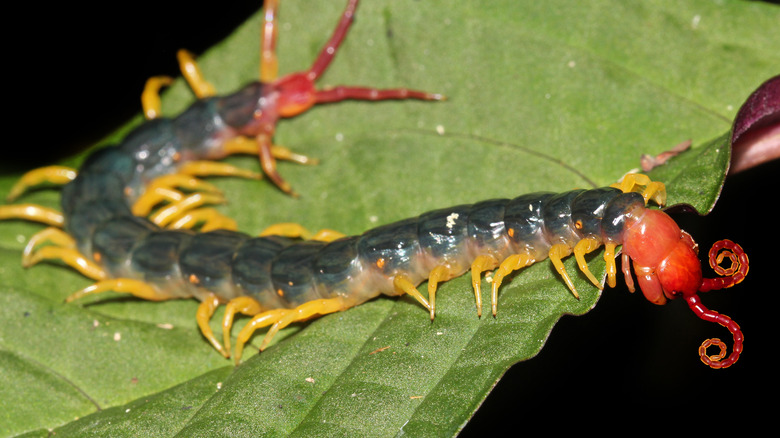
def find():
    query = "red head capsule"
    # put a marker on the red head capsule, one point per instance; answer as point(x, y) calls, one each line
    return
point(296, 94)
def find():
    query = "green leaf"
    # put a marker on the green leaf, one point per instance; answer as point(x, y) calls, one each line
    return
point(541, 96)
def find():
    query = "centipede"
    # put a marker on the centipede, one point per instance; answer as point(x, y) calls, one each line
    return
point(136, 219)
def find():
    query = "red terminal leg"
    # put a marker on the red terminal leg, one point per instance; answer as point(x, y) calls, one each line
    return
point(329, 51)
point(295, 93)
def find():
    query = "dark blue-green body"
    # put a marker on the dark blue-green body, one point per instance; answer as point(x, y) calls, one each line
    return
point(283, 273)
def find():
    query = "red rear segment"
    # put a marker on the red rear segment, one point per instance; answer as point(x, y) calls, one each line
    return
point(667, 266)
point(296, 94)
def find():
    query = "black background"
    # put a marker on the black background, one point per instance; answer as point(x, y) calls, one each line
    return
point(74, 76)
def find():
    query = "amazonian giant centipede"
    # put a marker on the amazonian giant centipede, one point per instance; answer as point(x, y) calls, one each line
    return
point(279, 280)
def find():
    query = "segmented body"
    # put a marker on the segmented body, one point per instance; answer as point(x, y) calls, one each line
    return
point(112, 179)
point(279, 280)
point(317, 277)
point(283, 273)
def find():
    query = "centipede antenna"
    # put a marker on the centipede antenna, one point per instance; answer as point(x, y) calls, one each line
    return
point(716, 361)
point(733, 275)
point(740, 264)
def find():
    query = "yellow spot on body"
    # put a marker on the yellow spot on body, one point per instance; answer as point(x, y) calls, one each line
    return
point(511, 232)
point(194, 279)
point(280, 292)
point(96, 256)
point(578, 225)
point(380, 263)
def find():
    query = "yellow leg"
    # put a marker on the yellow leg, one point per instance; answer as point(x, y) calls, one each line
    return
point(609, 258)
point(287, 229)
point(209, 218)
point(327, 235)
point(282, 153)
point(267, 152)
point(511, 263)
point(557, 252)
point(174, 211)
point(259, 321)
point(182, 181)
point(631, 181)
point(53, 235)
point(64, 249)
point(479, 265)
point(653, 190)
point(203, 316)
point(32, 212)
point(150, 97)
point(281, 318)
point(69, 256)
point(656, 192)
point(583, 247)
point(191, 72)
point(244, 305)
point(48, 174)
point(136, 288)
point(302, 313)
point(165, 188)
point(293, 230)
point(215, 168)
point(268, 163)
point(403, 284)
point(437, 275)
point(246, 145)
point(153, 196)
point(269, 65)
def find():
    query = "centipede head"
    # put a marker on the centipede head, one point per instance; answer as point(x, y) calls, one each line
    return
point(667, 266)
point(665, 258)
